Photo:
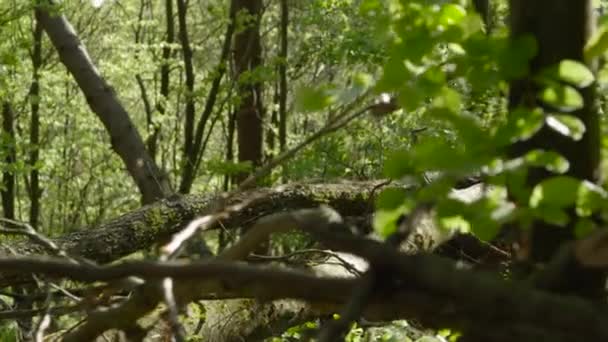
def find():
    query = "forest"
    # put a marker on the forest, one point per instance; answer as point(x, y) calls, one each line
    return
point(303, 170)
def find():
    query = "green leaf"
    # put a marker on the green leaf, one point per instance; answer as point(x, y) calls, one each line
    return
point(391, 198)
point(451, 215)
point(559, 192)
point(552, 215)
point(411, 97)
point(438, 189)
point(362, 79)
point(485, 229)
point(394, 75)
point(415, 46)
point(481, 217)
point(397, 165)
point(564, 191)
point(452, 14)
point(589, 199)
point(448, 99)
point(602, 76)
point(370, 5)
point(385, 221)
point(598, 43)
point(435, 154)
point(514, 59)
point(562, 97)
point(551, 161)
point(566, 125)
point(312, 99)
point(570, 71)
point(522, 124)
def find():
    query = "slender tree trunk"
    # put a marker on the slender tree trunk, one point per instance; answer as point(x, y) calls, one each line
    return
point(182, 11)
point(34, 189)
point(561, 29)
point(283, 76)
point(271, 130)
point(249, 113)
point(191, 167)
point(165, 73)
point(8, 176)
point(125, 138)
point(228, 178)
point(230, 146)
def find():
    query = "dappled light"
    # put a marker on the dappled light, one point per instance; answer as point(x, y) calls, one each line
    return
point(284, 170)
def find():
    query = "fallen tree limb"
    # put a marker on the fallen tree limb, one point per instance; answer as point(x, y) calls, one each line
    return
point(425, 287)
point(418, 288)
point(143, 227)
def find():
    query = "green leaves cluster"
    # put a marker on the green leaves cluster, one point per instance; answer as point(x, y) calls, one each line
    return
point(432, 48)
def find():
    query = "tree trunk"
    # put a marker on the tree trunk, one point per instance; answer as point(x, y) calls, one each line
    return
point(283, 76)
point(561, 29)
point(100, 96)
point(249, 112)
point(34, 189)
point(198, 148)
point(189, 153)
point(165, 72)
point(10, 157)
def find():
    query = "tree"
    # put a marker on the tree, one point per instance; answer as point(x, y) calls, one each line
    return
point(34, 181)
point(560, 39)
point(8, 175)
point(125, 138)
point(248, 57)
point(432, 141)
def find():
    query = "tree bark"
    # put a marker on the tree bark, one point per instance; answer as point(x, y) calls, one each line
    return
point(102, 100)
point(189, 153)
point(198, 148)
point(283, 76)
point(165, 72)
point(10, 157)
point(247, 57)
point(34, 187)
point(142, 228)
point(411, 286)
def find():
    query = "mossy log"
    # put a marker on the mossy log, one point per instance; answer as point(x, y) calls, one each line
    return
point(142, 228)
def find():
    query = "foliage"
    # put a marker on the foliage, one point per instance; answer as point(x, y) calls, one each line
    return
point(447, 72)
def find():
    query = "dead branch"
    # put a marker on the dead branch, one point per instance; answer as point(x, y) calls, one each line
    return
point(427, 287)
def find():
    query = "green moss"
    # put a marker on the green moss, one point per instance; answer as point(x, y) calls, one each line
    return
point(155, 217)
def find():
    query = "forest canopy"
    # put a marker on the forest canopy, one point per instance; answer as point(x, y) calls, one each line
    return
point(323, 170)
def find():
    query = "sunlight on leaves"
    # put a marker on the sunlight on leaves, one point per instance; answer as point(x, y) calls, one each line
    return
point(570, 71)
point(563, 191)
point(562, 97)
point(566, 125)
point(598, 43)
point(312, 99)
point(522, 124)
